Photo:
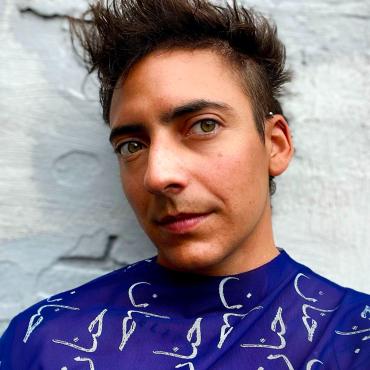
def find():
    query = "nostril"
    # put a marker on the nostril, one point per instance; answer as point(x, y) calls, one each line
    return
point(165, 171)
point(172, 188)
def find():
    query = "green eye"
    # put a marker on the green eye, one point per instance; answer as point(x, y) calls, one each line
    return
point(208, 125)
point(205, 126)
point(129, 147)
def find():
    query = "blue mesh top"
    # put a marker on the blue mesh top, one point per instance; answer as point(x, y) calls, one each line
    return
point(147, 317)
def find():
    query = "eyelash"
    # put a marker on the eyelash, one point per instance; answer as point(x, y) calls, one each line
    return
point(207, 120)
point(118, 148)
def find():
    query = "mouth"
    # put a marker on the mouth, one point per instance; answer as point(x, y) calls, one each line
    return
point(182, 222)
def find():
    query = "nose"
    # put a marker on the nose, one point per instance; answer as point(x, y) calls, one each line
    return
point(165, 172)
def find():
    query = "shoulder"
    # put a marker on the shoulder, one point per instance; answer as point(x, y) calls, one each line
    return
point(352, 330)
point(30, 332)
point(342, 314)
point(313, 287)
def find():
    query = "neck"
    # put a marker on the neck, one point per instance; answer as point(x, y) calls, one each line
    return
point(256, 251)
point(260, 247)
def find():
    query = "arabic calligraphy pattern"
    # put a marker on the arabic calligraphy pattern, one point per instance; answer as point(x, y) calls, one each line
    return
point(280, 316)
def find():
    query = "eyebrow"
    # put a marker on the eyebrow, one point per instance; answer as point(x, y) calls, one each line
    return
point(193, 106)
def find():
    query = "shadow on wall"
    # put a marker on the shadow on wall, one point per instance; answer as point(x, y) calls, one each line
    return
point(66, 220)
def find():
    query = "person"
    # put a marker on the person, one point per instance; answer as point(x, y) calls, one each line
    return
point(190, 90)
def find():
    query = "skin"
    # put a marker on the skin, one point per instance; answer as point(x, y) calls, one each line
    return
point(208, 161)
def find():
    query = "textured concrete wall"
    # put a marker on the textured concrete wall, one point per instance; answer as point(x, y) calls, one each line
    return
point(63, 218)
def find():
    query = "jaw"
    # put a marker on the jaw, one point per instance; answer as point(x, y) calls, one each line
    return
point(215, 253)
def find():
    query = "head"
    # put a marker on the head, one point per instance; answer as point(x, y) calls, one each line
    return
point(122, 33)
point(187, 88)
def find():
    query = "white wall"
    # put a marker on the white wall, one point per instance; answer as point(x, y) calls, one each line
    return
point(63, 218)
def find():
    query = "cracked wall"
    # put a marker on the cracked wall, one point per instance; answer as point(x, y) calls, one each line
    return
point(63, 219)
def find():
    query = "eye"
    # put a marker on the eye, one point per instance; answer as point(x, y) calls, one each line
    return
point(204, 126)
point(129, 147)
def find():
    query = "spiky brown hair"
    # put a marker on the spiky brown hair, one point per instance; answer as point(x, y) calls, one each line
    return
point(115, 34)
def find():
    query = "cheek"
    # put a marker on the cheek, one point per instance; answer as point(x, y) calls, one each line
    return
point(243, 166)
point(241, 176)
point(125, 183)
point(133, 191)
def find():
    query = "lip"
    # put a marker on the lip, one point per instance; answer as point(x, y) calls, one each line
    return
point(182, 222)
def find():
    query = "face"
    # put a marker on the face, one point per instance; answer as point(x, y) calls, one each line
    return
point(192, 164)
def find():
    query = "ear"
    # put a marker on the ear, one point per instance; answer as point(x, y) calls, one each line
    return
point(279, 144)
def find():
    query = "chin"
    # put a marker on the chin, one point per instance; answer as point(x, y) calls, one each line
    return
point(194, 259)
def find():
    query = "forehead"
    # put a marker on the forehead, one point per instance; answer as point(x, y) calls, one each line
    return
point(165, 79)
